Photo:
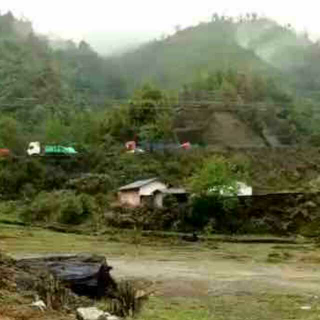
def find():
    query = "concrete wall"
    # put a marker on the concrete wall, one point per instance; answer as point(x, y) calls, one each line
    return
point(130, 197)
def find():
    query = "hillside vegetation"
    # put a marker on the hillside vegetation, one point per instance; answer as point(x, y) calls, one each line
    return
point(266, 72)
point(225, 85)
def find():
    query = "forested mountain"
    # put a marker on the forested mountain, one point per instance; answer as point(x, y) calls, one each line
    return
point(247, 44)
point(35, 72)
point(247, 64)
point(249, 61)
point(190, 53)
point(44, 86)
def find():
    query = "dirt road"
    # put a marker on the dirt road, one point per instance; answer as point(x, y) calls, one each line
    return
point(192, 272)
point(219, 277)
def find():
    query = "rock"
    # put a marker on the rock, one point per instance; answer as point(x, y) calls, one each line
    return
point(91, 314)
point(40, 305)
point(85, 275)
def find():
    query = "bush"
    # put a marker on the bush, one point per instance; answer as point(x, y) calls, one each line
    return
point(56, 294)
point(127, 302)
point(219, 212)
point(59, 206)
point(15, 174)
point(92, 183)
point(52, 292)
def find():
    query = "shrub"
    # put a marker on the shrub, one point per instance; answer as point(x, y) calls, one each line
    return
point(56, 294)
point(219, 212)
point(128, 300)
point(13, 176)
point(59, 206)
point(71, 209)
point(92, 183)
point(52, 291)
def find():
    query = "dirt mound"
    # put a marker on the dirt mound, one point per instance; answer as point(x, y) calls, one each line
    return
point(226, 129)
point(217, 126)
point(85, 275)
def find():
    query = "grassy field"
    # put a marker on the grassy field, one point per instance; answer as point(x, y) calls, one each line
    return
point(211, 279)
point(258, 307)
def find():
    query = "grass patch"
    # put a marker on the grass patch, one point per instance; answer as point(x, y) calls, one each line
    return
point(174, 309)
point(228, 307)
point(28, 240)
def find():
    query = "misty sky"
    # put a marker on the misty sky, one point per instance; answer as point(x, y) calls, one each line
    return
point(110, 25)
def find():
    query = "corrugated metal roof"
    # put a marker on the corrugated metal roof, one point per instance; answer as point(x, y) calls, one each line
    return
point(137, 184)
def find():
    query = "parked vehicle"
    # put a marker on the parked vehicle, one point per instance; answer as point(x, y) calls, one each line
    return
point(5, 153)
point(36, 149)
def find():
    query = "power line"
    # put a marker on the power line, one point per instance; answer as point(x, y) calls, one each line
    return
point(173, 102)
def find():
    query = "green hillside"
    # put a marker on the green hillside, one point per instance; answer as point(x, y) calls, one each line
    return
point(249, 44)
point(229, 85)
point(249, 63)
point(266, 73)
point(33, 73)
point(188, 54)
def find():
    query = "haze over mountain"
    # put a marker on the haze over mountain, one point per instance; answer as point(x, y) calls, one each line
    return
point(111, 27)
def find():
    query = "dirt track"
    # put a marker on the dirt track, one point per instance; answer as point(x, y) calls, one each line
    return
point(198, 278)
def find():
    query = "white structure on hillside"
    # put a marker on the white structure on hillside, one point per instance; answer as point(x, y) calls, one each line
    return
point(242, 190)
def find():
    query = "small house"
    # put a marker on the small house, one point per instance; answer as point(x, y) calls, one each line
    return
point(140, 192)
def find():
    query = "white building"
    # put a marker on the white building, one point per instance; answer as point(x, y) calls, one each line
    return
point(242, 189)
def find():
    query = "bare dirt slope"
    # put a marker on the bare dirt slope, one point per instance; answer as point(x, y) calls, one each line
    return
point(226, 129)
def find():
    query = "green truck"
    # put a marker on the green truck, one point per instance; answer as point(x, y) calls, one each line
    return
point(36, 149)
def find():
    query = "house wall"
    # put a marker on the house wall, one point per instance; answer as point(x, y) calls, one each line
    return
point(130, 197)
point(148, 189)
point(158, 200)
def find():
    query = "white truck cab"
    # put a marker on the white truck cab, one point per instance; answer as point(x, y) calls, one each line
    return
point(34, 149)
